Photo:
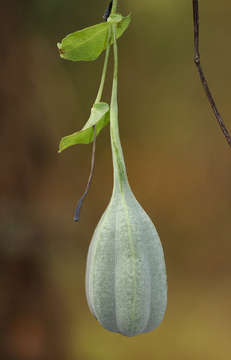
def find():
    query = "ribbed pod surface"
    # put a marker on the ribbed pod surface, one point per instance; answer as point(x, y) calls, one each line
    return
point(126, 283)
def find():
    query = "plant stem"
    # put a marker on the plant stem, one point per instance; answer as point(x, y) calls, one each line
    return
point(80, 202)
point(98, 99)
point(120, 176)
point(100, 91)
point(201, 73)
point(114, 7)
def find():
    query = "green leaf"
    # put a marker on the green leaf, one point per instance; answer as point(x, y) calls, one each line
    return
point(86, 44)
point(122, 26)
point(89, 43)
point(99, 117)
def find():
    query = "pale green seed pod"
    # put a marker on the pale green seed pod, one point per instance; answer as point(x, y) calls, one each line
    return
point(126, 278)
point(126, 282)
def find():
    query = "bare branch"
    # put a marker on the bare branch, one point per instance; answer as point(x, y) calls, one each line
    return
point(201, 73)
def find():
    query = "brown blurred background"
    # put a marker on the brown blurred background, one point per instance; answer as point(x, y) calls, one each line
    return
point(178, 163)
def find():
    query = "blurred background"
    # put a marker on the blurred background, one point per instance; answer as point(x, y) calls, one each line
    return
point(178, 164)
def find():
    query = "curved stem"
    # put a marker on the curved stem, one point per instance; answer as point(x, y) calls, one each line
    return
point(120, 175)
point(201, 73)
point(100, 91)
point(80, 202)
point(98, 99)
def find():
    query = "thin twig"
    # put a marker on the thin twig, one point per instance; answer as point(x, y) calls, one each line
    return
point(201, 73)
point(80, 202)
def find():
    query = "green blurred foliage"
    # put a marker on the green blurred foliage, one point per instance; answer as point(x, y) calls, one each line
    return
point(178, 165)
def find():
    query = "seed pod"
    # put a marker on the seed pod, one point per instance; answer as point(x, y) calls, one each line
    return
point(126, 278)
point(126, 283)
